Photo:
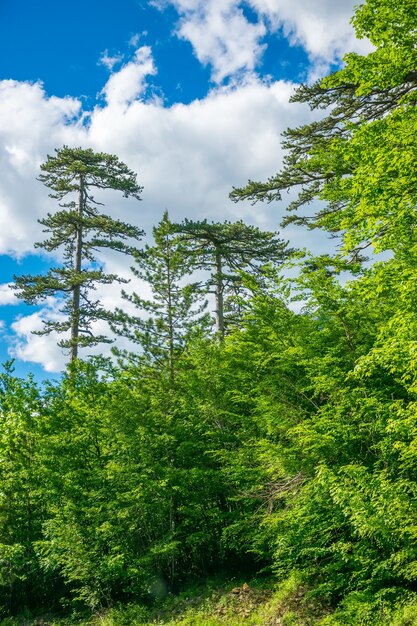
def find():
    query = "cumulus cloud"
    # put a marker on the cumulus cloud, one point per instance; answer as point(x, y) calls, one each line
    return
point(31, 125)
point(126, 85)
point(37, 348)
point(7, 295)
point(321, 27)
point(187, 157)
point(223, 37)
point(110, 61)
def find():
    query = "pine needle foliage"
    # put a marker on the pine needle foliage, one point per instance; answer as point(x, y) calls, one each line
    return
point(80, 231)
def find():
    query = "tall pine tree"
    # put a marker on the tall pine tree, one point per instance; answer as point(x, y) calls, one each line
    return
point(80, 230)
point(225, 250)
point(166, 318)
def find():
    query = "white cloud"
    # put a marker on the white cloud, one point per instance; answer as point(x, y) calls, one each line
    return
point(31, 125)
point(188, 156)
point(126, 85)
point(7, 295)
point(321, 27)
point(110, 61)
point(37, 348)
point(134, 40)
point(223, 37)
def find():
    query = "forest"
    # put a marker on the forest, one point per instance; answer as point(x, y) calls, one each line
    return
point(256, 426)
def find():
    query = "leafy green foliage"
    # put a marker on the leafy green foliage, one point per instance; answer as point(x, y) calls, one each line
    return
point(23, 495)
point(288, 447)
point(358, 158)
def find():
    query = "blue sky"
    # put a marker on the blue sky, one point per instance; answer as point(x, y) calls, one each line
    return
point(60, 44)
point(64, 48)
point(191, 94)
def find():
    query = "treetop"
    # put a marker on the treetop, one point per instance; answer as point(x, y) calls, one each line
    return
point(75, 167)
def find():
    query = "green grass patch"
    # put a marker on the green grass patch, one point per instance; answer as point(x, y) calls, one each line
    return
point(258, 602)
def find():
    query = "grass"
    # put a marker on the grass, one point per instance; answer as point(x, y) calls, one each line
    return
point(257, 603)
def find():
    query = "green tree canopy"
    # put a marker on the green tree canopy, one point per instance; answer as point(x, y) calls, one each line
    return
point(359, 158)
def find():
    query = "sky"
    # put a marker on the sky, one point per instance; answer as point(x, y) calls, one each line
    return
point(192, 95)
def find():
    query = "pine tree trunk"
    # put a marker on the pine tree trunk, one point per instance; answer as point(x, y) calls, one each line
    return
point(219, 296)
point(75, 321)
point(170, 317)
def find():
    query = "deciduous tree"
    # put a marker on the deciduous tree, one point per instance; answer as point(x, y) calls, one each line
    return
point(359, 158)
